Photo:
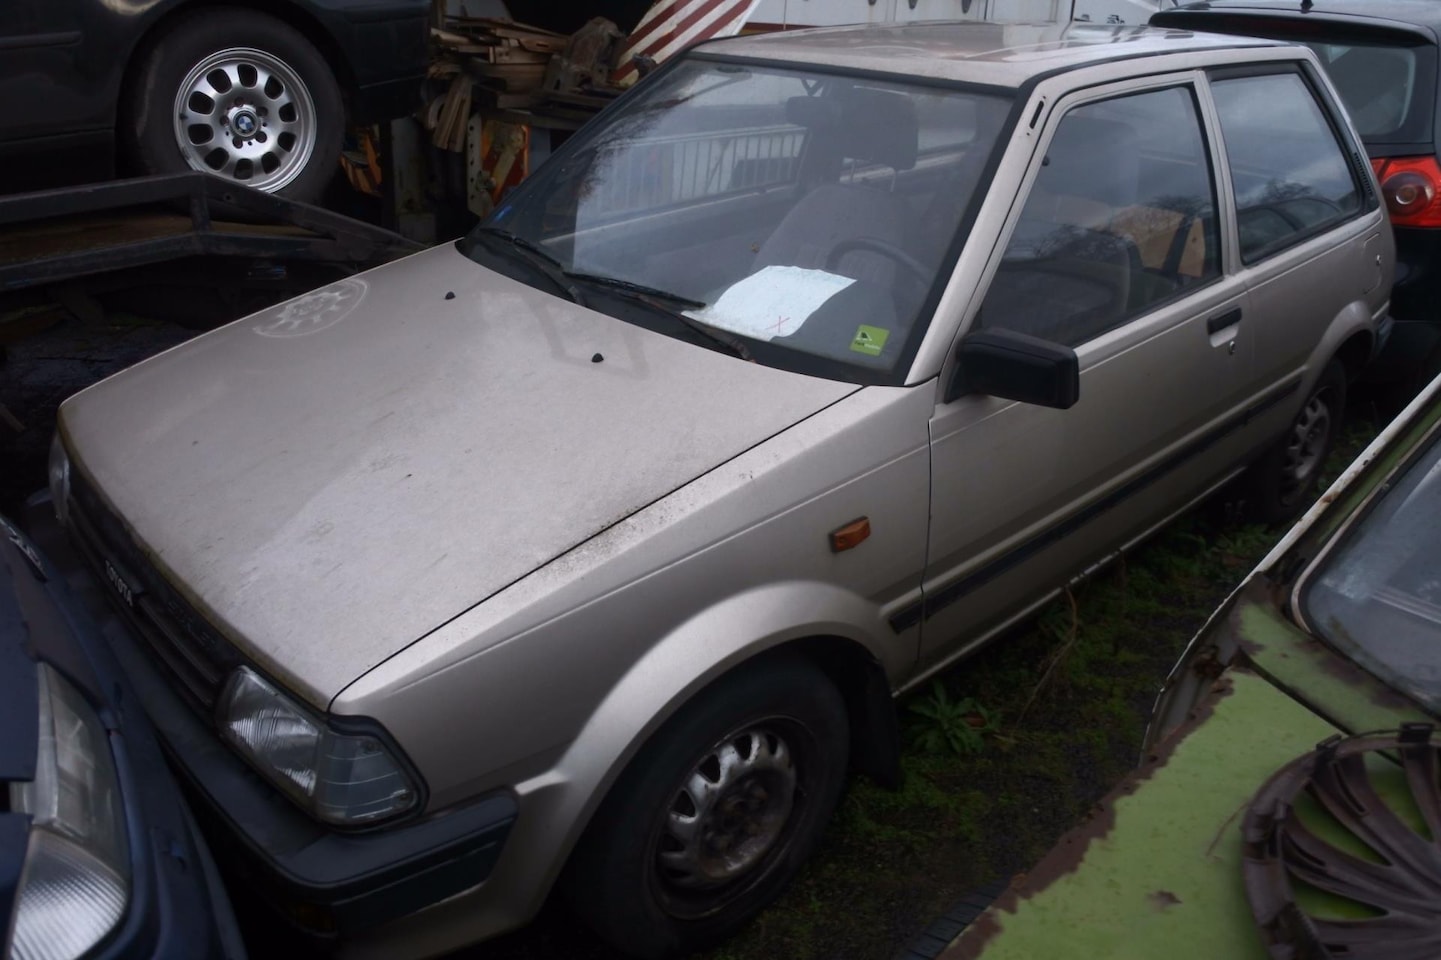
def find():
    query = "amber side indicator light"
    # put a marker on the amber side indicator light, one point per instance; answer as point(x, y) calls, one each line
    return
point(850, 535)
point(1411, 187)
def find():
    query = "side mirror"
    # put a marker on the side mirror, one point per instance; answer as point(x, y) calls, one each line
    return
point(1001, 363)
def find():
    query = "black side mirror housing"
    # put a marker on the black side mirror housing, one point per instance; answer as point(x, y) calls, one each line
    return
point(1014, 366)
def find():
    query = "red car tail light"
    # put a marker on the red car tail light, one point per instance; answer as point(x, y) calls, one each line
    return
point(1411, 187)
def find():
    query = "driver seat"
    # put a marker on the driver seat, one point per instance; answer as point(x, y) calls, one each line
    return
point(866, 127)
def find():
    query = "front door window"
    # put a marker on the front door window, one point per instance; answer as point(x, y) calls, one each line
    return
point(1120, 219)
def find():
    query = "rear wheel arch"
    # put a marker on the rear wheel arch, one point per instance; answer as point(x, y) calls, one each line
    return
point(1354, 353)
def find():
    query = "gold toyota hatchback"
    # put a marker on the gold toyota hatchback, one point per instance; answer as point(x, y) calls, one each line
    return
point(592, 548)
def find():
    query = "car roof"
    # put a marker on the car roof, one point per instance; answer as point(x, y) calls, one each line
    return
point(999, 54)
point(1401, 13)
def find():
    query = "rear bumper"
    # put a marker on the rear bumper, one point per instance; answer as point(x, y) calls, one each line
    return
point(327, 883)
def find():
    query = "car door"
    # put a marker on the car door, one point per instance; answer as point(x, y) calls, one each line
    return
point(1115, 250)
point(39, 66)
point(1306, 229)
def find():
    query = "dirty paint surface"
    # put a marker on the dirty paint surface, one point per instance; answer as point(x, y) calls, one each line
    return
point(1330, 684)
point(1157, 873)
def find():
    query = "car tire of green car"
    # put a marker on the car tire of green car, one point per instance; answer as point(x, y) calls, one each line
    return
point(1283, 482)
point(716, 813)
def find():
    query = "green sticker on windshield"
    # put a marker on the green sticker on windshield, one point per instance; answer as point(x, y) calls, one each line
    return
point(870, 340)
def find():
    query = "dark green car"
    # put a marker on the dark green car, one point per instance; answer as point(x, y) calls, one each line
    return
point(1289, 804)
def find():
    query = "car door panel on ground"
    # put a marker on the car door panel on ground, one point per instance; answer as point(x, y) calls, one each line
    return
point(1116, 252)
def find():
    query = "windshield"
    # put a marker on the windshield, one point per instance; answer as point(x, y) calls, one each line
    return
point(802, 215)
point(1377, 595)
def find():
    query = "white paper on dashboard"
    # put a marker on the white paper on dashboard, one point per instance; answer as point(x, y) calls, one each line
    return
point(772, 302)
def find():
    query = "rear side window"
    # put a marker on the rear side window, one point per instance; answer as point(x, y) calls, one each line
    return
point(1120, 219)
point(1290, 174)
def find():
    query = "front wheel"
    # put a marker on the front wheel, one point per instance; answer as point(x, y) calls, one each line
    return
point(238, 94)
point(1281, 484)
point(716, 813)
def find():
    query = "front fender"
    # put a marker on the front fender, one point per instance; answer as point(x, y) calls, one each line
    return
point(556, 805)
point(674, 670)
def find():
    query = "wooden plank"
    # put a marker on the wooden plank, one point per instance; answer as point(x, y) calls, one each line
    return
point(517, 55)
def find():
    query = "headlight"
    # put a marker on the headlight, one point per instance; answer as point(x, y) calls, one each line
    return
point(60, 478)
point(76, 879)
point(345, 779)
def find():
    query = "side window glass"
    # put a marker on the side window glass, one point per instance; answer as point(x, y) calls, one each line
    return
point(1290, 175)
point(1120, 219)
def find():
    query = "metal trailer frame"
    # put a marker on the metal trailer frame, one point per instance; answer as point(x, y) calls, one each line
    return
point(273, 228)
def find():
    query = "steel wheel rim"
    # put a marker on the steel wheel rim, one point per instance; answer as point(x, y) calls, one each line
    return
point(246, 115)
point(1306, 444)
point(726, 820)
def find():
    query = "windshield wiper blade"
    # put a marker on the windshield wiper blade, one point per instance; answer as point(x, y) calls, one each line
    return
point(540, 258)
point(715, 335)
point(630, 286)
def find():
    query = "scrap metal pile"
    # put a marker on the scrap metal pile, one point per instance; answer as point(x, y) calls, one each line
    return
point(495, 81)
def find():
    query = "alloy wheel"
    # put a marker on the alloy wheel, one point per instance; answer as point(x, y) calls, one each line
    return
point(246, 115)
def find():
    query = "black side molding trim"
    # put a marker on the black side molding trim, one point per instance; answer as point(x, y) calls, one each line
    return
point(27, 40)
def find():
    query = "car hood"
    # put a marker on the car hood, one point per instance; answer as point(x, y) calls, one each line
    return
point(330, 479)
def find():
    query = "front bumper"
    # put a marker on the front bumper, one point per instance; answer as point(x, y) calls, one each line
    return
point(328, 883)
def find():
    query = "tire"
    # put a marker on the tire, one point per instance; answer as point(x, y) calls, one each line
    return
point(636, 884)
point(238, 94)
point(1283, 482)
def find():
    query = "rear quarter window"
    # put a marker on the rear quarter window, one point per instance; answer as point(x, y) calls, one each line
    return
point(1289, 172)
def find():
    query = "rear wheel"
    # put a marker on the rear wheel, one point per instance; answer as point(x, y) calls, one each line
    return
point(716, 813)
point(238, 94)
point(1283, 482)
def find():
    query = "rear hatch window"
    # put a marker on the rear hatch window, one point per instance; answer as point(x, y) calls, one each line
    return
point(1384, 71)
point(1388, 90)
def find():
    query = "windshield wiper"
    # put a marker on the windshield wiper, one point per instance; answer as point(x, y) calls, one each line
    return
point(651, 297)
point(629, 286)
point(540, 258)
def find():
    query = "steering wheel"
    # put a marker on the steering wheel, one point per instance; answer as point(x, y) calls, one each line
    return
point(922, 274)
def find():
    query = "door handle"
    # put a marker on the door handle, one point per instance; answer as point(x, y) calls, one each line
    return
point(1228, 319)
